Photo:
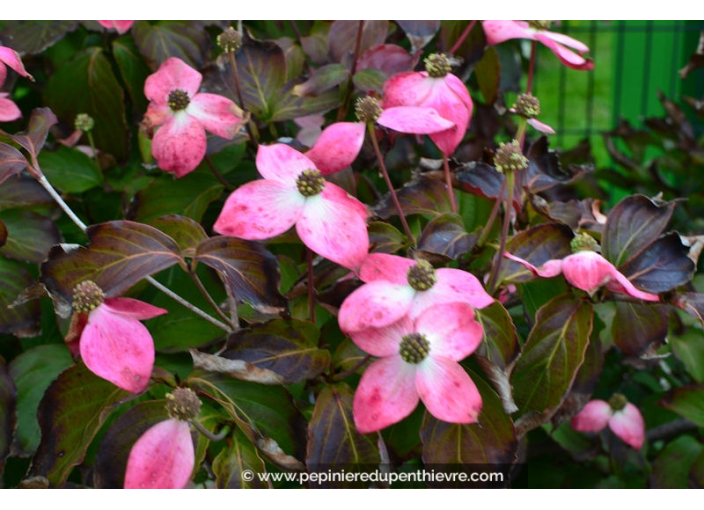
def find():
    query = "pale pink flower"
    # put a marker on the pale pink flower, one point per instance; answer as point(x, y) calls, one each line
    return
point(293, 192)
point(9, 57)
point(396, 287)
point(184, 115)
point(114, 345)
point(498, 31)
point(419, 360)
point(162, 458)
point(121, 26)
point(587, 270)
point(623, 418)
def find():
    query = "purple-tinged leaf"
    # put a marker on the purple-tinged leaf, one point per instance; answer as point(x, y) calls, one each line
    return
point(688, 402)
point(638, 326)
point(171, 39)
point(71, 413)
point(22, 191)
point(8, 405)
point(235, 368)
point(320, 80)
point(670, 470)
point(342, 37)
point(333, 440)
point(236, 461)
point(287, 106)
point(251, 272)
point(421, 196)
point(488, 72)
point(387, 58)
point(385, 238)
point(370, 80)
point(445, 235)
point(419, 32)
point(552, 354)
point(286, 347)
point(32, 140)
point(30, 236)
point(480, 179)
point(471, 49)
point(662, 266)
point(33, 37)
point(634, 223)
point(536, 245)
point(692, 303)
point(544, 168)
point(578, 214)
point(11, 162)
point(500, 344)
point(187, 233)
point(21, 320)
point(315, 44)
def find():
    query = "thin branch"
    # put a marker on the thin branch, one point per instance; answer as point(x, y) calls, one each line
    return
point(448, 182)
point(462, 37)
point(210, 299)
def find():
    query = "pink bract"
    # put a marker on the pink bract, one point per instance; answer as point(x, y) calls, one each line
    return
point(8, 109)
point(391, 387)
point(114, 345)
point(447, 95)
point(10, 58)
point(179, 144)
point(627, 423)
point(498, 31)
point(162, 458)
point(387, 296)
point(331, 223)
point(337, 146)
point(588, 271)
point(121, 26)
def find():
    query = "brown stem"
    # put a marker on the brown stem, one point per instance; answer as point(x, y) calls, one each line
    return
point(342, 112)
point(531, 66)
point(252, 127)
point(311, 286)
point(342, 375)
point(218, 175)
point(492, 217)
point(448, 182)
point(462, 37)
point(510, 179)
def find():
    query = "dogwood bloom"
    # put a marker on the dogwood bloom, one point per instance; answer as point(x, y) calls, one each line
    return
point(622, 417)
point(163, 457)
point(419, 361)
point(437, 89)
point(396, 287)
point(498, 31)
point(9, 57)
point(121, 26)
point(184, 115)
point(113, 343)
point(293, 192)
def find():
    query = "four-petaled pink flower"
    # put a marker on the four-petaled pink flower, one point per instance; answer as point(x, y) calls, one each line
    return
point(9, 57)
point(293, 192)
point(121, 26)
point(184, 115)
point(419, 360)
point(396, 287)
point(498, 31)
point(588, 271)
point(437, 89)
point(622, 417)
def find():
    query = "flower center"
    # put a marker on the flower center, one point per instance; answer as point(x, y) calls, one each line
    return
point(367, 109)
point(618, 402)
point(178, 100)
point(540, 24)
point(509, 158)
point(182, 404)
point(437, 65)
point(414, 348)
point(528, 106)
point(583, 242)
point(310, 182)
point(230, 40)
point(84, 122)
point(87, 296)
point(422, 276)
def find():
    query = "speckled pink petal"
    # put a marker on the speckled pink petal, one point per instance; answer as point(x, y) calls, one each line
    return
point(8, 109)
point(386, 394)
point(337, 146)
point(593, 417)
point(217, 114)
point(451, 329)
point(11, 58)
point(374, 305)
point(133, 308)
point(282, 163)
point(390, 268)
point(118, 349)
point(447, 391)
point(179, 144)
point(566, 56)
point(333, 225)
point(498, 31)
point(260, 210)
point(628, 424)
point(384, 341)
point(452, 286)
point(414, 119)
point(162, 458)
point(173, 74)
point(406, 89)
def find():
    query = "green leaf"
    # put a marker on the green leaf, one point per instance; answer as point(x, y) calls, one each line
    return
point(21, 320)
point(671, 468)
point(333, 440)
point(8, 404)
point(500, 343)
point(637, 326)
point(689, 349)
point(688, 402)
point(120, 254)
point(552, 354)
point(370, 80)
point(30, 236)
point(69, 170)
point(188, 196)
point(166, 39)
point(33, 37)
point(87, 84)
point(445, 235)
point(239, 456)
point(187, 233)
point(133, 69)
point(72, 411)
point(384, 237)
point(251, 272)
point(33, 371)
point(287, 106)
point(286, 347)
point(321, 79)
point(488, 72)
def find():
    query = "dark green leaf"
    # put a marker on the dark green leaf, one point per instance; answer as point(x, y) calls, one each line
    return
point(8, 404)
point(488, 71)
point(552, 354)
point(11, 161)
point(69, 170)
point(133, 69)
point(238, 456)
point(187, 233)
point(286, 106)
point(637, 326)
point(33, 37)
point(688, 402)
point(445, 235)
point(321, 79)
point(30, 236)
point(385, 238)
point(664, 265)
point(420, 196)
point(370, 80)
point(536, 245)
point(72, 411)
point(171, 39)
point(33, 371)
point(671, 468)
point(251, 272)
point(689, 348)
point(500, 343)
point(696, 472)
point(21, 320)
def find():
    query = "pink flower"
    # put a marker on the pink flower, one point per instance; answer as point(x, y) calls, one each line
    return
point(622, 417)
point(587, 270)
point(397, 287)
point(162, 458)
point(337, 147)
point(498, 31)
point(121, 26)
point(293, 192)
point(184, 115)
point(419, 361)
point(8, 109)
point(9, 57)
point(445, 93)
